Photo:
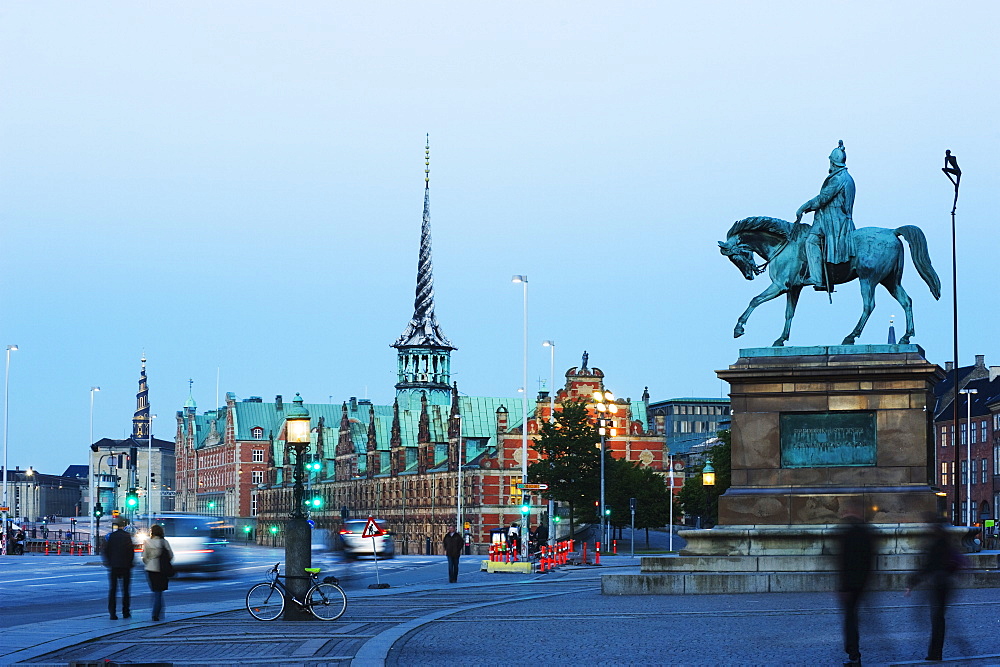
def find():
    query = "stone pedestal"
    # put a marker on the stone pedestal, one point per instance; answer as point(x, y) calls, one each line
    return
point(821, 432)
point(818, 434)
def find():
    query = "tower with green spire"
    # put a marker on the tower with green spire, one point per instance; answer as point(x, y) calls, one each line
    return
point(423, 352)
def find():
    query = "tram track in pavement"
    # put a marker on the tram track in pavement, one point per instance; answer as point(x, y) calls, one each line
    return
point(365, 635)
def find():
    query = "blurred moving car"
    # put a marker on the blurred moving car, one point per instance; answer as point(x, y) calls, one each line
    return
point(198, 542)
point(354, 545)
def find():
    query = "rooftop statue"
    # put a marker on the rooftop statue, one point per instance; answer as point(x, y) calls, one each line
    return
point(829, 252)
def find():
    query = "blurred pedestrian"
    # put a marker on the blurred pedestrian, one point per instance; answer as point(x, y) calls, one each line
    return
point(157, 557)
point(119, 557)
point(941, 561)
point(513, 537)
point(856, 550)
point(19, 542)
point(454, 543)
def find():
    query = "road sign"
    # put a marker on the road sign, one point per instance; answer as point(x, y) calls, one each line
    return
point(533, 487)
point(4, 509)
point(115, 512)
point(372, 529)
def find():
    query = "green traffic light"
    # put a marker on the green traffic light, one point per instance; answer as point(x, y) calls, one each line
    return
point(315, 501)
point(556, 519)
point(274, 530)
point(246, 529)
point(131, 499)
point(607, 511)
point(525, 509)
point(211, 504)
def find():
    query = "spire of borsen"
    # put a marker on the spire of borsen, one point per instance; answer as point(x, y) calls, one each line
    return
point(423, 329)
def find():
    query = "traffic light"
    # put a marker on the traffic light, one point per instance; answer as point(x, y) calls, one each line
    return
point(315, 465)
point(131, 499)
point(607, 511)
point(211, 504)
point(98, 511)
point(274, 530)
point(152, 478)
point(556, 519)
point(316, 502)
point(246, 529)
point(525, 509)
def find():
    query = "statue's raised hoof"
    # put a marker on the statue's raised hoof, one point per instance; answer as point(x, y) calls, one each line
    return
point(905, 340)
point(778, 343)
point(738, 332)
point(848, 341)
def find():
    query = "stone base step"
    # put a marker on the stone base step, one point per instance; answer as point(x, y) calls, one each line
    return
point(711, 583)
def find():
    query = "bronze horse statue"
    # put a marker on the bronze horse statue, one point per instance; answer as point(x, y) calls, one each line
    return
point(877, 258)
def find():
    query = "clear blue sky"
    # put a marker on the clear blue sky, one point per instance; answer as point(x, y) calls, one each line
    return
point(238, 186)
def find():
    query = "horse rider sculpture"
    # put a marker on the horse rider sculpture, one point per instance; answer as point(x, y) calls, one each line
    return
point(832, 221)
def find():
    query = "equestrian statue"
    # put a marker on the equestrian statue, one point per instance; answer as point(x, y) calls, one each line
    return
point(829, 252)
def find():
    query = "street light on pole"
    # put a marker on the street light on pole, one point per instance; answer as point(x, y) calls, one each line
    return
point(525, 517)
point(707, 481)
point(6, 393)
point(93, 478)
point(606, 408)
point(458, 510)
point(968, 453)
point(297, 542)
point(149, 472)
point(552, 419)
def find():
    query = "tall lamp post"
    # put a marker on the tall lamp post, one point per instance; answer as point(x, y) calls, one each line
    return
point(707, 482)
point(93, 477)
point(968, 453)
point(552, 418)
point(606, 408)
point(525, 516)
point(461, 455)
point(297, 542)
point(6, 393)
point(149, 472)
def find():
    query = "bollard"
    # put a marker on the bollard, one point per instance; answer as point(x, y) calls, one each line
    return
point(597, 553)
point(583, 553)
point(614, 547)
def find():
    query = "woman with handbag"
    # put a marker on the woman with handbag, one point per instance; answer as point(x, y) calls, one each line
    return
point(157, 557)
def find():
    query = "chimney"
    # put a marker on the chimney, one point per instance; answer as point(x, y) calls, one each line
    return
point(949, 366)
point(981, 360)
point(354, 403)
point(278, 405)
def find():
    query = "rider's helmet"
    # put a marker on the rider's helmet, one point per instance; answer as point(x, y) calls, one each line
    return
point(839, 156)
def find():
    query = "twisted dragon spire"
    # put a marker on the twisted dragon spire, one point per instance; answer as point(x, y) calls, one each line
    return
point(423, 329)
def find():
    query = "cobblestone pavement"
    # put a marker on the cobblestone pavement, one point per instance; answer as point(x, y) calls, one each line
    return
point(560, 618)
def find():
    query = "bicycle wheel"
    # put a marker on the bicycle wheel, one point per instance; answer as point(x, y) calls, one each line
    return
point(265, 602)
point(327, 602)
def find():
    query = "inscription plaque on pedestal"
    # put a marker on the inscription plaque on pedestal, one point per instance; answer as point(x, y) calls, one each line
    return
point(826, 439)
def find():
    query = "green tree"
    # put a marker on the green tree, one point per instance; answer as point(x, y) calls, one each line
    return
point(694, 497)
point(628, 480)
point(570, 462)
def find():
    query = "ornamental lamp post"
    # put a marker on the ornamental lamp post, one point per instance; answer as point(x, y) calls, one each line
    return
point(606, 408)
point(525, 518)
point(297, 537)
point(707, 481)
point(968, 453)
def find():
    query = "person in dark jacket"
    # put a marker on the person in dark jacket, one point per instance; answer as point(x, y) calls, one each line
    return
point(454, 543)
point(119, 557)
point(854, 564)
point(941, 561)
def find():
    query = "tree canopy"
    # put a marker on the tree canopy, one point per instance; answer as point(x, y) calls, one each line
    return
point(570, 460)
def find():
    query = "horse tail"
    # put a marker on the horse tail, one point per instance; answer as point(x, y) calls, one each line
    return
point(921, 259)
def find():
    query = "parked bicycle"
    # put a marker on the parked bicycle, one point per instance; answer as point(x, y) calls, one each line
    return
point(325, 599)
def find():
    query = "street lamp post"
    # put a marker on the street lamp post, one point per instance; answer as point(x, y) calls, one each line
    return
point(149, 472)
point(461, 455)
point(526, 516)
point(707, 481)
point(552, 418)
point(606, 408)
point(93, 477)
point(968, 453)
point(6, 394)
point(297, 542)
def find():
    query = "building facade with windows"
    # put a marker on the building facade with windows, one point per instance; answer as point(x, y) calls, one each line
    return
point(968, 457)
point(399, 462)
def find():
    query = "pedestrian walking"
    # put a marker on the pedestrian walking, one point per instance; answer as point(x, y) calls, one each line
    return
point(941, 561)
point(119, 557)
point(454, 543)
point(157, 557)
point(854, 563)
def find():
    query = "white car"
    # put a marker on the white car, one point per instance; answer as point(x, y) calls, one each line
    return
point(198, 542)
point(354, 545)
